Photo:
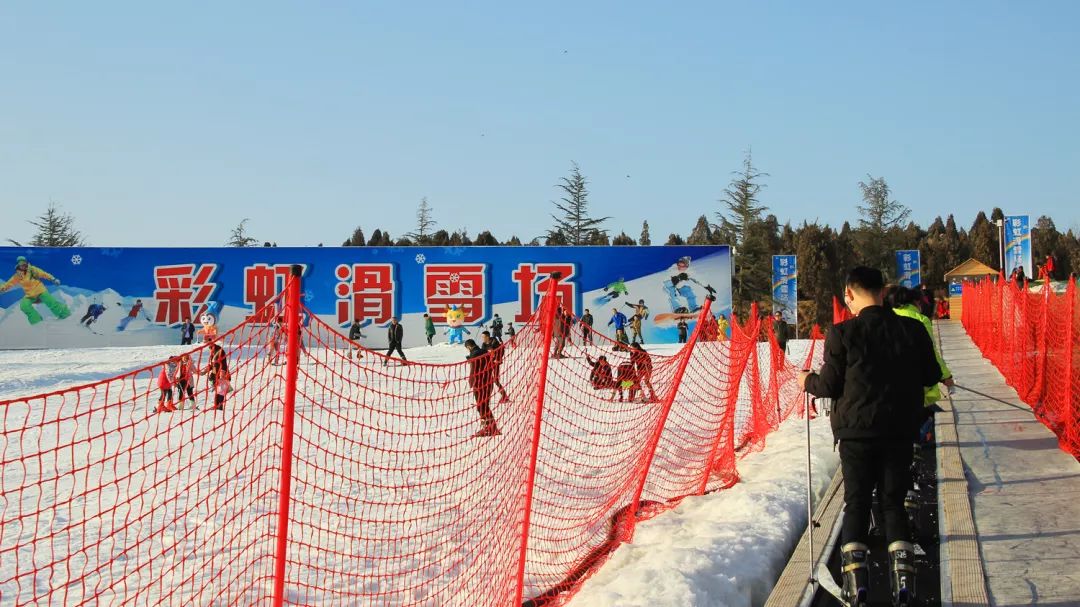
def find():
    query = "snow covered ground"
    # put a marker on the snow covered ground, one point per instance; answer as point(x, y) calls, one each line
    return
point(722, 549)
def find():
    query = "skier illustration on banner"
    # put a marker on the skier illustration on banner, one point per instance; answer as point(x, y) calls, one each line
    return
point(613, 291)
point(34, 292)
point(681, 296)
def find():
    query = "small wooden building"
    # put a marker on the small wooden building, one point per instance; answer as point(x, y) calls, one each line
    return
point(971, 269)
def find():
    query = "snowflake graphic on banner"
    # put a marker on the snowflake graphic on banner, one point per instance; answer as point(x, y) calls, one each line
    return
point(420, 258)
point(455, 277)
point(76, 260)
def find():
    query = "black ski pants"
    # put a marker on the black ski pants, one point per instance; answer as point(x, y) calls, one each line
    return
point(870, 463)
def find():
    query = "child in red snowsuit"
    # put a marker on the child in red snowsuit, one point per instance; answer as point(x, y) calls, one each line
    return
point(165, 385)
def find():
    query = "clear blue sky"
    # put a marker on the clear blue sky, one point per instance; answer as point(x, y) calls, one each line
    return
point(165, 124)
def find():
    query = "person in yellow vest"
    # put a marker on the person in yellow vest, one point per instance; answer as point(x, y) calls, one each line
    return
point(29, 278)
point(722, 328)
point(904, 302)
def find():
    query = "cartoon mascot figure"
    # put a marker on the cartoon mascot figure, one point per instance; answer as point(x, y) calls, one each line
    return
point(455, 319)
point(209, 328)
point(34, 292)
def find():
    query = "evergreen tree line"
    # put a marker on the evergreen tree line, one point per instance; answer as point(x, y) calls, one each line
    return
point(741, 220)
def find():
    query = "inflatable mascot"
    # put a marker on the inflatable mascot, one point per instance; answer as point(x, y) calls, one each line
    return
point(455, 319)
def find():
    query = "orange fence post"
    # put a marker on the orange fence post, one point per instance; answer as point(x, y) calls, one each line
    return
point(292, 323)
point(548, 328)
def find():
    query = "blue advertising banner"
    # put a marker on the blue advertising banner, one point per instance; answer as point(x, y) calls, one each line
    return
point(908, 268)
point(1018, 245)
point(88, 297)
point(785, 288)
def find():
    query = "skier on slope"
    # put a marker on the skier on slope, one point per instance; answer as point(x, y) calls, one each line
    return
point(612, 291)
point(497, 327)
point(93, 312)
point(132, 314)
point(29, 278)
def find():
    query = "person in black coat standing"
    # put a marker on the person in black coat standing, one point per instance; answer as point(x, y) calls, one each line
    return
point(396, 334)
point(187, 332)
point(586, 327)
point(876, 366)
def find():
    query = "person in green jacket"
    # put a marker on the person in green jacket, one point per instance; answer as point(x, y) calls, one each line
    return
point(429, 328)
point(904, 302)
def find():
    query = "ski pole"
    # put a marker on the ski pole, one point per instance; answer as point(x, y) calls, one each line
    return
point(809, 492)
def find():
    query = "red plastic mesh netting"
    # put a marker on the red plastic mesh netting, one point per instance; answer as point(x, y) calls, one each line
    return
point(506, 477)
point(107, 501)
point(1032, 337)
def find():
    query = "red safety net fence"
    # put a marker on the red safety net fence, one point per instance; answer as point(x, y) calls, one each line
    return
point(1033, 338)
point(340, 475)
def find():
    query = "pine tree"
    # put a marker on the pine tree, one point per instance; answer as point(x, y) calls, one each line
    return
point(984, 241)
point(881, 225)
point(674, 240)
point(425, 224)
point(376, 238)
point(576, 226)
point(622, 240)
point(440, 238)
point(513, 242)
point(240, 237)
point(54, 229)
point(701, 234)
point(486, 239)
point(743, 227)
point(356, 240)
point(645, 240)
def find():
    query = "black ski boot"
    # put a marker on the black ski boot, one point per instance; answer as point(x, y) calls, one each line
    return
point(856, 573)
point(911, 506)
point(902, 564)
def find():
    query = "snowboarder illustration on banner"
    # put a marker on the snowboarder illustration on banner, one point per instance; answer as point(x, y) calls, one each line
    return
point(455, 318)
point(681, 296)
point(34, 292)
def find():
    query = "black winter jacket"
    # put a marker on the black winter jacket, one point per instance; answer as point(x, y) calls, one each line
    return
point(875, 368)
point(395, 333)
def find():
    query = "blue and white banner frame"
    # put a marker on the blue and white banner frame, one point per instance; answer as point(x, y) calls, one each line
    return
point(785, 288)
point(1018, 244)
point(908, 268)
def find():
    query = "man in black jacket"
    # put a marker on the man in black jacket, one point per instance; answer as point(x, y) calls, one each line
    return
point(355, 334)
point(395, 333)
point(586, 327)
point(875, 368)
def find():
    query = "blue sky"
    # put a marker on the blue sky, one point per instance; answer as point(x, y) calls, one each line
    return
point(166, 123)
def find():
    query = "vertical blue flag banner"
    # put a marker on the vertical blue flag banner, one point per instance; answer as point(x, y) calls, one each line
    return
point(1018, 244)
point(785, 288)
point(90, 297)
point(908, 268)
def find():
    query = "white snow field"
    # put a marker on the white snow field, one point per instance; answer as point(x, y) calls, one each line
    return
point(139, 508)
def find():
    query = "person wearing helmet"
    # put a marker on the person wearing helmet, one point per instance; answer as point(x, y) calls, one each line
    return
point(34, 292)
point(678, 285)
